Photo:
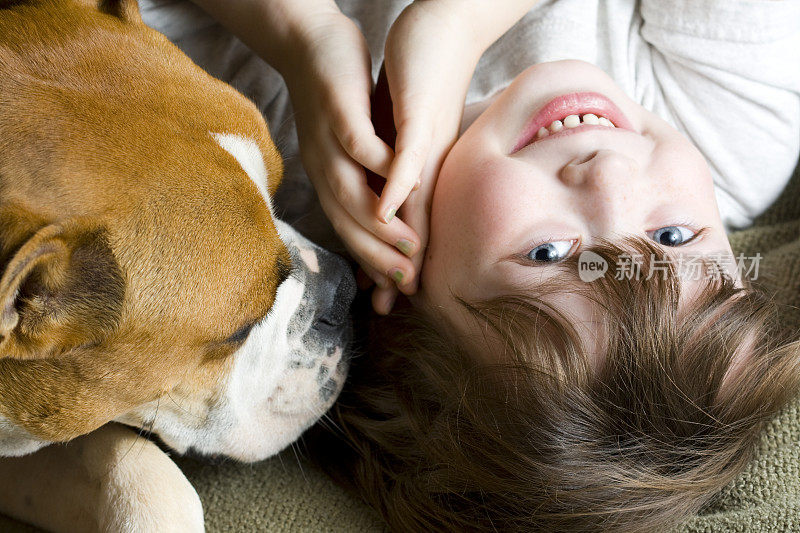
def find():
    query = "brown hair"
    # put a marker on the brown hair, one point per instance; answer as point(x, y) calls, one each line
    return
point(437, 439)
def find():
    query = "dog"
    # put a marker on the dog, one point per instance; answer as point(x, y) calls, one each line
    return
point(145, 279)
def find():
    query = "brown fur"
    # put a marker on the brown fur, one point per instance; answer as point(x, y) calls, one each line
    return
point(131, 243)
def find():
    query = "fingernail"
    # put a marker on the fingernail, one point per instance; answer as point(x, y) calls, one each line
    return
point(397, 275)
point(405, 246)
point(390, 213)
point(417, 185)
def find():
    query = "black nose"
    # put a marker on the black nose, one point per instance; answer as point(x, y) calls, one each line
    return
point(341, 291)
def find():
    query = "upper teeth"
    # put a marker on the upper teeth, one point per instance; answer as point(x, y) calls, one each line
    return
point(573, 121)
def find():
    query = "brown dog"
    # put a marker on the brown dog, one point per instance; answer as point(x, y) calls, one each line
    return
point(145, 279)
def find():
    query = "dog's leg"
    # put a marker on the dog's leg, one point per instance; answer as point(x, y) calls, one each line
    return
point(109, 480)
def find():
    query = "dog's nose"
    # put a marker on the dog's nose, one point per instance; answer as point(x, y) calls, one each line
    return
point(341, 291)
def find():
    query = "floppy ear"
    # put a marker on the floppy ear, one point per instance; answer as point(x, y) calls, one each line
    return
point(127, 10)
point(61, 289)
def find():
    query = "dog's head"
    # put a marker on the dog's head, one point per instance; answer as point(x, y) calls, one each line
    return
point(145, 278)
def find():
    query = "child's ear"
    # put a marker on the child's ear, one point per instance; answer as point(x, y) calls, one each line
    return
point(61, 289)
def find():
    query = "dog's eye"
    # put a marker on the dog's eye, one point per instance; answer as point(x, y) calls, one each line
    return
point(241, 335)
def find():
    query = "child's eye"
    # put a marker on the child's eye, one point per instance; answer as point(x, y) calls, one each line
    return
point(673, 235)
point(551, 252)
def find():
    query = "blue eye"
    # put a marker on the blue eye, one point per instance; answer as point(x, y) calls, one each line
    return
point(551, 252)
point(673, 235)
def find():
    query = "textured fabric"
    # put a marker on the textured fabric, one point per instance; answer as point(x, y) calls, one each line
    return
point(281, 494)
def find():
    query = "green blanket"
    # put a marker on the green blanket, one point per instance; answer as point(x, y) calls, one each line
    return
point(766, 496)
point(286, 493)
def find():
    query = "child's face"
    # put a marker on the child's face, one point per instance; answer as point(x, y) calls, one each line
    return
point(502, 214)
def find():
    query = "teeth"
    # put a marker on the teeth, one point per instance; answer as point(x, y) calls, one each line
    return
point(573, 121)
point(591, 119)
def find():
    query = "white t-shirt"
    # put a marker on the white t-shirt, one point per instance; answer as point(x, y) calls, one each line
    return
point(726, 73)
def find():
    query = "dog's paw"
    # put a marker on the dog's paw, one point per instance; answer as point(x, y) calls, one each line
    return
point(110, 480)
point(144, 490)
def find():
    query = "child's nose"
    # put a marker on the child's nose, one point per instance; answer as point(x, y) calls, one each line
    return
point(603, 170)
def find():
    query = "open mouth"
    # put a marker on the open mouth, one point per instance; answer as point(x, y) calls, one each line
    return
point(570, 114)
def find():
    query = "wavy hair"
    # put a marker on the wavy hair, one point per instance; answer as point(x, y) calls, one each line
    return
point(533, 437)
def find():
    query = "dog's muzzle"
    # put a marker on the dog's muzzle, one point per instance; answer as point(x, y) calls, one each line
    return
point(337, 289)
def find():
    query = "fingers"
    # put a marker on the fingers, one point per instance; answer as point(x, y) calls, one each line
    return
point(383, 296)
point(416, 213)
point(414, 138)
point(347, 184)
point(375, 278)
point(382, 261)
point(383, 299)
point(357, 137)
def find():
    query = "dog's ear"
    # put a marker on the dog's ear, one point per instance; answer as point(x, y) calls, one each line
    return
point(63, 288)
point(127, 10)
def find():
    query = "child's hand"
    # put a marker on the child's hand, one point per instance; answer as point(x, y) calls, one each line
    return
point(330, 83)
point(429, 61)
point(430, 56)
point(431, 53)
point(325, 62)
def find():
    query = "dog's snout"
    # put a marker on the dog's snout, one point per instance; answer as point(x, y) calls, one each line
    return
point(341, 291)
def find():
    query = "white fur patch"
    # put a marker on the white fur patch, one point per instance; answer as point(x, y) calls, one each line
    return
point(249, 156)
point(273, 392)
point(242, 423)
point(15, 441)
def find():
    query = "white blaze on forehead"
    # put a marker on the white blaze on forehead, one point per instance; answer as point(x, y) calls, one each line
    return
point(249, 156)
